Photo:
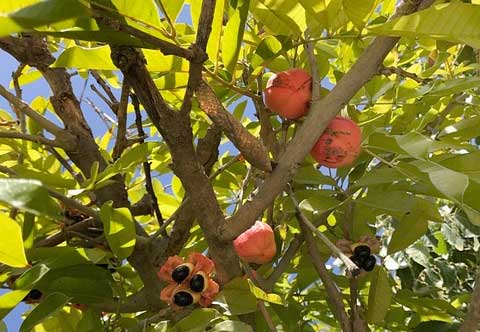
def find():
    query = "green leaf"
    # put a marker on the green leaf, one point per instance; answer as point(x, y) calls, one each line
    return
point(262, 295)
point(119, 229)
point(233, 34)
point(30, 277)
point(85, 58)
point(46, 308)
point(379, 296)
point(316, 205)
point(238, 297)
point(414, 144)
point(464, 129)
point(453, 86)
point(231, 326)
point(12, 252)
point(312, 176)
point(425, 24)
point(39, 14)
point(409, 229)
point(99, 58)
point(379, 176)
point(197, 321)
point(90, 322)
point(28, 195)
point(359, 11)
point(85, 283)
point(171, 9)
point(213, 45)
point(401, 202)
point(58, 257)
point(450, 183)
point(9, 300)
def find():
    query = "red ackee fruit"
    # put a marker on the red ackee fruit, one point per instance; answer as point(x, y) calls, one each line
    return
point(256, 244)
point(339, 144)
point(288, 93)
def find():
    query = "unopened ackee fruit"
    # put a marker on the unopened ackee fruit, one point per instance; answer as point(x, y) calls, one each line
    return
point(288, 93)
point(339, 145)
point(256, 244)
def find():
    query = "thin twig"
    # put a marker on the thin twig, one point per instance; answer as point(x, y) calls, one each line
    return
point(102, 96)
point(243, 187)
point(350, 266)
point(105, 87)
point(334, 295)
point(121, 141)
point(387, 71)
point(32, 138)
point(108, 121)
point(310, 47)
point(187, 199)
point(146, 165)
point(260, 303)
point(165, 47)
point(23, 107)
point(77, 176)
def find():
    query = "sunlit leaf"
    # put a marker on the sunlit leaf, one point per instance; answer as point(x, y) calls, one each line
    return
point(12, 252)
point(119, 229)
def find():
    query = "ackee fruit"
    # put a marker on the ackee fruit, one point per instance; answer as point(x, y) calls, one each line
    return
point(256, 244)
point(339, 145)
point(288, 93)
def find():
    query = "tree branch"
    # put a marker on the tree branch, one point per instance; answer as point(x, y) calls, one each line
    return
point(334, 296)
point(33, 138)
point(23, 107)
point(251, 148)
point(121, 142)
point(167, 48)
point(320, 115)
point(472, 320)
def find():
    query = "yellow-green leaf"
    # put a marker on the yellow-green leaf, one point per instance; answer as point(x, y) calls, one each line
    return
point(119, 229)
point(12, 252)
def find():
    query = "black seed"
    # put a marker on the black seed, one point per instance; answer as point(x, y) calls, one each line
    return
point(356, 261)
point(197, 283)
point(34, 294)
point(183, 299)
point(362, 252)
point(369, 263)
point(180, 273)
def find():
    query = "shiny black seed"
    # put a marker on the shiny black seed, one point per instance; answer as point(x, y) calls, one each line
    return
point(180, 273)
point(362, 252)
point(369, 263)
point(33, 295)
point(356, 261)
point(183, 299)
point(197, 283)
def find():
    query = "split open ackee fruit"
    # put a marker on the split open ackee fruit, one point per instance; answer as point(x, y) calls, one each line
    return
point(288, 93)
point(189, 282)
point(339, 145)
point(256, 244)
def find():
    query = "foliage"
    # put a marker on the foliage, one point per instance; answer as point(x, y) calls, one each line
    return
point(415, 186)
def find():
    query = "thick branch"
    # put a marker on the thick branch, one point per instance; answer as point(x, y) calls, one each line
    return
point(176, 130)
point(320, 115)
point(251, 148)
